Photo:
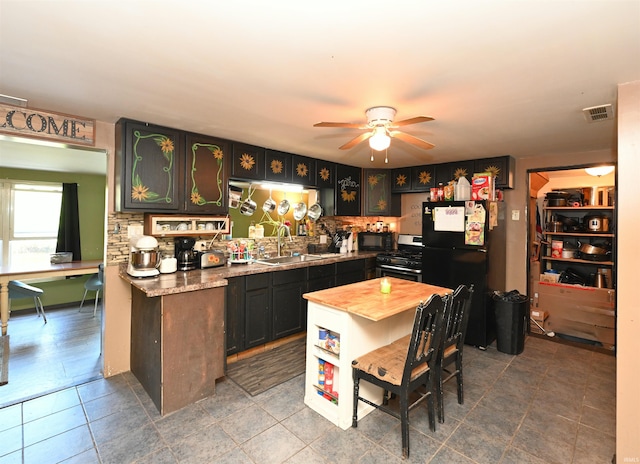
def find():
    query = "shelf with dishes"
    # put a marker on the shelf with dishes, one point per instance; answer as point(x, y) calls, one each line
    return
point(578, 260)
point(170, 225)
point(581, 234)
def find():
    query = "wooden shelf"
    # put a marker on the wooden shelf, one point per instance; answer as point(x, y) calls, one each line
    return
point(174, 225)
point(577, 260)
point(578, 208)
point(580, 234)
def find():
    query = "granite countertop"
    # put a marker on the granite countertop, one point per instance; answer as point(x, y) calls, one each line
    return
point(199, 279)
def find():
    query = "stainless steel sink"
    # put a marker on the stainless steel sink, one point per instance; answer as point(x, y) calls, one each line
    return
point(288, 259)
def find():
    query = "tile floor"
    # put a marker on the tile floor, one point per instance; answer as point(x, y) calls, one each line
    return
point(551, 404)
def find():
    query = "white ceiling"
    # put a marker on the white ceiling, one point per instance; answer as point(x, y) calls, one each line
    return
point(499, 77)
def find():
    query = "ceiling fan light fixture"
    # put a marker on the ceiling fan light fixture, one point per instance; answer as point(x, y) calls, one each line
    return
point(600, 170)
point(379, 140)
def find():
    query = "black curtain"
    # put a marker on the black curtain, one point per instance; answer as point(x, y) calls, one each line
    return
point(69, 227)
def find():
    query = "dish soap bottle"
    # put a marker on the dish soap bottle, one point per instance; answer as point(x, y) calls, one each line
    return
point(252, 230)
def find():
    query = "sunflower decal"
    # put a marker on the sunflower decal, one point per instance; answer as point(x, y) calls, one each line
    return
point(373, 181)
point(247, 161)
point(401, 180)
point(140, 192)
point(217, 153)
point(348, 196)
point(424, 177)
point(493, 170)
point(382, 204)
point(276, 166)
point(196, 198)
point(324, 174)
point(166, 145)
point(302, 170)
point(459, 172)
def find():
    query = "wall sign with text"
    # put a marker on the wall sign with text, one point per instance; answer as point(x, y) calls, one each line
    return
point(57, 127)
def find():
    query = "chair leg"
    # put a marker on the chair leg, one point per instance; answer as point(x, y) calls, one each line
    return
point(431, 410)
point(356, 393)
point(39, 310)
point(459, 380)
point(83, 298)
point(440, 396)
point(95, 306)
point(404, 423)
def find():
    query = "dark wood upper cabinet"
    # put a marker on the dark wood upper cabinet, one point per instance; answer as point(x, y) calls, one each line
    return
point(401, 180)
point(348, 190)
point(459, 169)
point(377, 192)
point(150, 163)
point(248, 162)
point(303, 170)
point(277, 166)
point(423, 178)
point(325, 174)
point(502, 167)
point(206, 174)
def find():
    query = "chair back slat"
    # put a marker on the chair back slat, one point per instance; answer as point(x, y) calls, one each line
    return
point(426, 335)
point(457, 318)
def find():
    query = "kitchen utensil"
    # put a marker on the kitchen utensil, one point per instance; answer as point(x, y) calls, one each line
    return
point(299, 211)
point(248, 206)
point(548, 334)
point(569, 253)
point(235, 195)
point(599, 280)
point(283, 207)
point(269, 205)
point(557, 198)
point(168, 265)
point(315, 211)
point(555, 226)
point(144, 257)
point(593, 252)
point(596, 223)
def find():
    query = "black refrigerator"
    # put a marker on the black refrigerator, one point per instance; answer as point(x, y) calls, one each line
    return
point(459, 248)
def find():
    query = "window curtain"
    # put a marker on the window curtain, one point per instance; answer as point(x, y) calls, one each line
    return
point(69, 227)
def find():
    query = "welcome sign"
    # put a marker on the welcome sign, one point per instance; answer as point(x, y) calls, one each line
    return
point(58, 127)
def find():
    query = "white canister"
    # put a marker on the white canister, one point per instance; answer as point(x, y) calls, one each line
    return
point(168, 265)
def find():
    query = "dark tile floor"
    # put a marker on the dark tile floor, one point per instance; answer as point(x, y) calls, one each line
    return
point(551, 404)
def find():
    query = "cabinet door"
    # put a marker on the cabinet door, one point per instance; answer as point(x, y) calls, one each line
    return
point(234, 314)
point(151, 161)
point(287, 304)
point(401, 180)
point(349, 272)
point(303, 170)
point(377, 192)
point(423, 178)
point(248, 162)
point(502, 168)
point(257, 315)
point(459, 169)
point(348, 190)
point(277, 166)
point(206, 176)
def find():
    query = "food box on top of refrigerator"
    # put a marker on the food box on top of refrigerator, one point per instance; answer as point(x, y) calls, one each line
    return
point(482, 187)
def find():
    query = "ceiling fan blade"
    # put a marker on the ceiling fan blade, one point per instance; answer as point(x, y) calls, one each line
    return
point(340, 124)
point(411, 139)
point(353, 142)
point(406, 122)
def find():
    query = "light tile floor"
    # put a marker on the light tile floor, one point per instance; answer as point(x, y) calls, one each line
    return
point(551, 404)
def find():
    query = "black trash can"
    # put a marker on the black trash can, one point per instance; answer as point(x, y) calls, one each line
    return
point(511, 321)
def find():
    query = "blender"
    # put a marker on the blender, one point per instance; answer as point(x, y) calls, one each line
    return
point(144, 257)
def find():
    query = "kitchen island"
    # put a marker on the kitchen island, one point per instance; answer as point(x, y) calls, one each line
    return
point(346, 322)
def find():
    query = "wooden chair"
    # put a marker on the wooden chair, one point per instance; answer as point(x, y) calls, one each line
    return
point(18, 289)
point(405, 366)
point(449, 362)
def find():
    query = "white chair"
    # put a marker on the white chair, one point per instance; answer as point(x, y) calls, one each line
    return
point(19, 289)
point(94, 284)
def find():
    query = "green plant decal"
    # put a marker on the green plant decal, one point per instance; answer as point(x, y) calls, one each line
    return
point(217, 153)
point(140, 191)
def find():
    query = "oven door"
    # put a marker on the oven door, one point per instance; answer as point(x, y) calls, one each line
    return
point(398, 272)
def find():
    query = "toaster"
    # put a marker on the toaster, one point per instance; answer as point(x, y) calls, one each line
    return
point(207, 259)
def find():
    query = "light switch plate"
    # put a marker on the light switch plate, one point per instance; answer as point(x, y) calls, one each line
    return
point(134, 230)
point(515, 215)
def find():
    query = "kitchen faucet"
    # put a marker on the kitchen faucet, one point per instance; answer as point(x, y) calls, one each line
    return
point(287, 232)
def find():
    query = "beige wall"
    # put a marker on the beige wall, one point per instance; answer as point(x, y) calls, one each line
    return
point(628, 333)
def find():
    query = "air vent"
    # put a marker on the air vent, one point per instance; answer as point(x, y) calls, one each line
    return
point(598, 113)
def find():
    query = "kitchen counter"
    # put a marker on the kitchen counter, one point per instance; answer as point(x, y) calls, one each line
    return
point(200, 279)
point(355, 318)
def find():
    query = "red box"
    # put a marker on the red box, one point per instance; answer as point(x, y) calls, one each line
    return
point(482, 187)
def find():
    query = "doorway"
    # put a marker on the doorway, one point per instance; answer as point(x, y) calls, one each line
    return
point(66, 350)
point(573, 289)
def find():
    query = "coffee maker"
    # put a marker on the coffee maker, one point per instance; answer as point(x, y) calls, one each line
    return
point(185, 254)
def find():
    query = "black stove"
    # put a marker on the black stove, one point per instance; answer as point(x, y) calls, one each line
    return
point(406, 262)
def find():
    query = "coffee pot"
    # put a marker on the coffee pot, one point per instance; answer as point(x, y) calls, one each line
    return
point(184, 253)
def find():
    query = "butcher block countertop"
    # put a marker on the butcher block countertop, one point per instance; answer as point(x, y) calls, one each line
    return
point(364, 299)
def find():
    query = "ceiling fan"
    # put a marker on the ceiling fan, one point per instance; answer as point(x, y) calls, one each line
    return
point(380, 128)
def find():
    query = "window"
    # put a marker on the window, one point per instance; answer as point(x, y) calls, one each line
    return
point(29, 221)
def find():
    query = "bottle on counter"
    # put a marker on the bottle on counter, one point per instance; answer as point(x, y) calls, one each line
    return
point(252, 230)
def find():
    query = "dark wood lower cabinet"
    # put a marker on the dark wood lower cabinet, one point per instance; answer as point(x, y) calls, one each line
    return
point(177, 345)
point(257, 314)
point(287, 303)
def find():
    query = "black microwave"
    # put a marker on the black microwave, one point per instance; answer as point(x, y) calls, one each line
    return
point(375, 241)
